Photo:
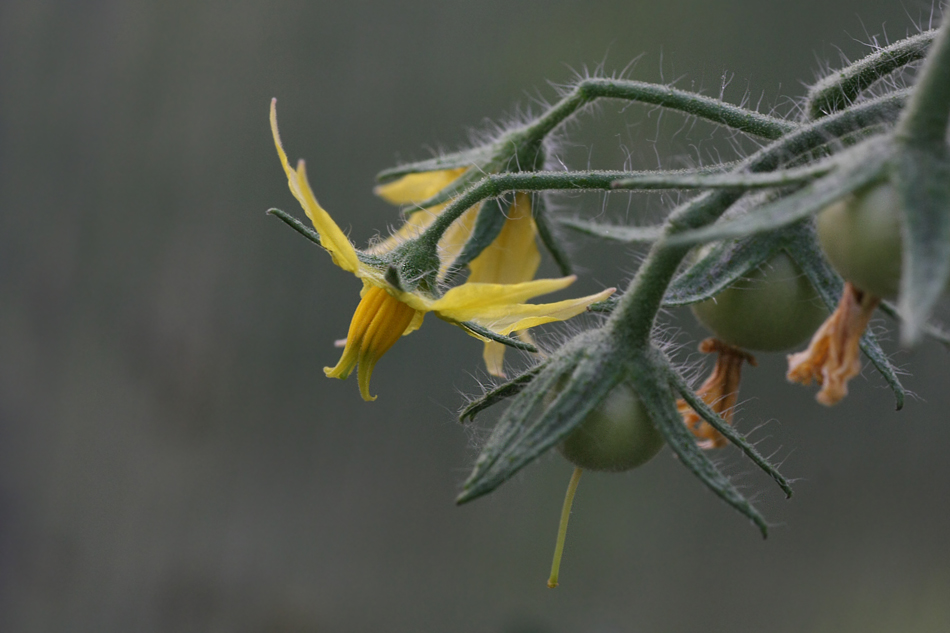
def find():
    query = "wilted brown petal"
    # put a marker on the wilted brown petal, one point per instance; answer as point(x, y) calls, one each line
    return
point(720, 391)
point(832, 357)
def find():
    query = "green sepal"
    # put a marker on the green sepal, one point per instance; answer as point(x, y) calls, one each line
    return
point(484, 332)
point(722, 265)
point(491, 219)
point(615, 232)
point(585, 371)
point(829, 285)
point(921, 177)
point(713, 418)
point(313, 236)
point(649, 375)
point(858, 167)
point(539, 212)
point(606, 306)
point(493, 396)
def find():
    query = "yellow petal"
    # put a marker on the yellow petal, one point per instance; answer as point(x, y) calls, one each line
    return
point(511, 318)
point(331, 237)
point(380, 319)
point(415, 188)
point(513, 257)
point(372, 299)
point(389, 323)
point(465, 302)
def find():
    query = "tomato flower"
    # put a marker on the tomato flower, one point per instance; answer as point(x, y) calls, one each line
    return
point(387, 312)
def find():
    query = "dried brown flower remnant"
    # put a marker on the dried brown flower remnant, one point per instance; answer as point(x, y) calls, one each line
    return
point(720, 391)
point(832, 357)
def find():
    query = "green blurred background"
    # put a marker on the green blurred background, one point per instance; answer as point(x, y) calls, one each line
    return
point(172, 457)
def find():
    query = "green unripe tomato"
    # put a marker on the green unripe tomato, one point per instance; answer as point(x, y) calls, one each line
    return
point(861, 236)
point(618, 435)
point(774, 308)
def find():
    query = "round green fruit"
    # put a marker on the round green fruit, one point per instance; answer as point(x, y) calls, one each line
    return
point(861, 236)
point(617, 435)
point(773, 308)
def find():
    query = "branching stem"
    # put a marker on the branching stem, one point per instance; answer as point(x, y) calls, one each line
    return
point(587, 90)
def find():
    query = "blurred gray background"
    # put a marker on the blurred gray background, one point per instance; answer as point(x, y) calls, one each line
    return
point(172, 457)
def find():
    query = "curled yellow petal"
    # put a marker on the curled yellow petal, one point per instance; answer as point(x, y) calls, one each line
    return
point(331, 237)
point(416, 188)
point(369, 304)
point(380, 319)
point(834, 355)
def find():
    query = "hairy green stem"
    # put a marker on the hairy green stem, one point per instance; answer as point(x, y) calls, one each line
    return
point(841, 88)
point(587, 90)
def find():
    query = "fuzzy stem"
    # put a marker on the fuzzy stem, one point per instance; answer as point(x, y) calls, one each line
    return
point(690, 103)
point(562, 528)
point(841, 88)
point(925, 119)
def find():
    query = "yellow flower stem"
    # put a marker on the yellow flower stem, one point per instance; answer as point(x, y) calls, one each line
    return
point(562, 529)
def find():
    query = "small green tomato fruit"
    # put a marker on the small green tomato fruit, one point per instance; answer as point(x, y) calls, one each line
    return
point(772, 309)
point(618, 435)
point(861, 236)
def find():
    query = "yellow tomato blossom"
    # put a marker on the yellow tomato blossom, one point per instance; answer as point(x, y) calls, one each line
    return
point(385, 312)
point(511, 258)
